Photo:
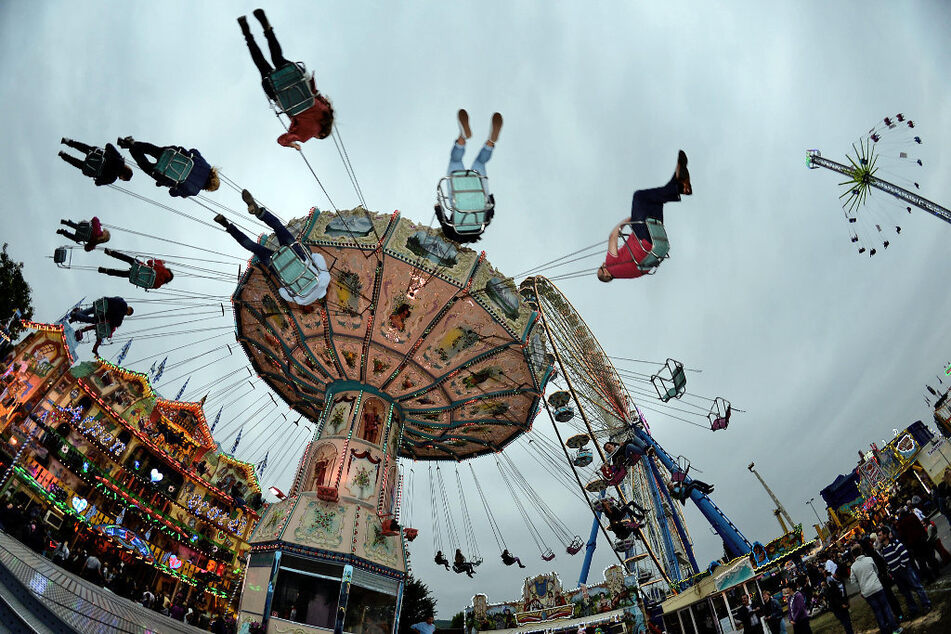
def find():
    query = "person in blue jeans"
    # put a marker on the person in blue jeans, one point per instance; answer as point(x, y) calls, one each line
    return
point(285, 238)
point(116, 311)
point(456, 165)
point(902, 571)
point(865, 574)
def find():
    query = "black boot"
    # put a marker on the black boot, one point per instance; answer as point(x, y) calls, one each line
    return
point(221, 220)
point(243, 23)
point(259, 14)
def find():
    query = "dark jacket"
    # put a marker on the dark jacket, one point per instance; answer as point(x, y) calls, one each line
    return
point(115, 311)
point(197, 178)
point(111, 166)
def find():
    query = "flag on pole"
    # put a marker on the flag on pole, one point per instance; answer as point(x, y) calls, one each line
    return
point(237, 440)
point(217, 416)
point(182, 391)
point(74, 307)
point(152, 369)
point(123, 352)
point(263, 464)
point(158, 373)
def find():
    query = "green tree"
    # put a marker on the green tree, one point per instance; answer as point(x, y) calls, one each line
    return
point(418, 603)
point(458, 621)
point(14, 293)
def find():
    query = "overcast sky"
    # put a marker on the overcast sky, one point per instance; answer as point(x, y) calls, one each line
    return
point(825, 349)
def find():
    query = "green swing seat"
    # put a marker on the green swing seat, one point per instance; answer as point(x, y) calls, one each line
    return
point(141, 275)
point(291, 89)
point(174, 165)
point(660, 245)
point(671, 381)
point(465, 201)
point(295, 274)
point(103, 329)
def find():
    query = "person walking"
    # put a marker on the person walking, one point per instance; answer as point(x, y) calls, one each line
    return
point(865, 574)
point(772, 613)
point(798, 613)
point(838, 601)
point(902, 571)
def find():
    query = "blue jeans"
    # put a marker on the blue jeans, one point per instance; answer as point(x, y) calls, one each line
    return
point(86, 315)
point(907, 581)
point(455, 159)
point(883, 613)
point(284, 238)
point(649, 203)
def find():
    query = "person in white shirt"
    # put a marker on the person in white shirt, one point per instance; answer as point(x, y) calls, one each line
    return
point(865, 574)
point(830, 566)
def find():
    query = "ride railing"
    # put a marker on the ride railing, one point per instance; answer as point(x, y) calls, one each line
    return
point(82, 606)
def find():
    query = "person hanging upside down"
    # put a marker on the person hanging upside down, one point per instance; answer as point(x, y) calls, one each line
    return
point(462, 565)
point(116, 311)
point(681, 490)
point(316, 262)
point(162, 275)
point(441, 560)
point(89, 232)
point(456, 165)
point(629, 454)
point(314, 123)
point(201, 177)
point(508, 559)
point(622, 520)
point(104, 166)
point(646, 203)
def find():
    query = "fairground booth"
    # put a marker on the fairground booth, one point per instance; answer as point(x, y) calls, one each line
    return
point(113, 468)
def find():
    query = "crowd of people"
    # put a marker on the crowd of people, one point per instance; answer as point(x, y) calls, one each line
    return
point(98, 562)
point(898, 553)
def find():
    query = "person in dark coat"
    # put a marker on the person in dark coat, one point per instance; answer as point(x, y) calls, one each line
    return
point(201, 177)
point(838, 601)
point(913, 535)
point(116, 311)
point(104, 166)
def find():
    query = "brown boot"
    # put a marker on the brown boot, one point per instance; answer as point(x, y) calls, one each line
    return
point(465, 131)
point(496, 128)
point(681, 175)
point(253, 207)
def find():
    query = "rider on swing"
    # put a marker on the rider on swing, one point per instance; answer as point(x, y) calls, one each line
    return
point(111, 166)
point(316, 262)
point(88, 231)
point(462, 565)
point(314, 123)
point(441, 560)
point(116, 311)
point(508, 559)
point(202, 175)
point(647, 203)
point(162, 275)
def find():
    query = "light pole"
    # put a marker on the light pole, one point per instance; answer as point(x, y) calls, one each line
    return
point(818, 519)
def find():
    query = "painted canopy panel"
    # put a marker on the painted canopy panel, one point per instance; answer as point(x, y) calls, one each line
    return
point(409, 314)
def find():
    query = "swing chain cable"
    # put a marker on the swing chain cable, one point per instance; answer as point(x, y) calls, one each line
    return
point(474, 552)
point(493, 524)
point(561, 531)
point(451, 533)
point(532, 270)
point(532, 531)
point(345, 157)
point(437, 533)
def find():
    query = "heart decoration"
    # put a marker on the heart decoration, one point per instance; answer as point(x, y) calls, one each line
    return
point(156, 475)
point(79, 504)
point(174, 562)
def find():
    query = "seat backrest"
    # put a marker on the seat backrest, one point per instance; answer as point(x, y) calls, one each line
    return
point(295, 274)
point(100, 306)
point(142, 276)
point(174, 165)
point(92, 164)
point(103, 330)
point(680, 378)
point(469, 201)
point(660, 247)
point(292, 89)
point(59, 255)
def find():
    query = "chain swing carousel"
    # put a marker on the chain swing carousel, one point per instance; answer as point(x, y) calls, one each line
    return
point(421, 350)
